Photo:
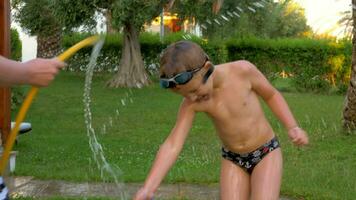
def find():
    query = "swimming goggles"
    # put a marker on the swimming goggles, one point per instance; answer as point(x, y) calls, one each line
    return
point(179, 79)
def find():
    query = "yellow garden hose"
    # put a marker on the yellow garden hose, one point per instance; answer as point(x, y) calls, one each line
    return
point(30, 96)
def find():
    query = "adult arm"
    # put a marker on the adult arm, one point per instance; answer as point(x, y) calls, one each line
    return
point(37, 72)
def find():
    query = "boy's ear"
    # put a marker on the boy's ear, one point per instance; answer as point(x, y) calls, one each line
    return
point(208, 64)
point(207, 57)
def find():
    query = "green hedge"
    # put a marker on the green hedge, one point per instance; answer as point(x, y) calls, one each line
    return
point(315, 65)
point(16, 45)
point(17, 93)
point(151, 47)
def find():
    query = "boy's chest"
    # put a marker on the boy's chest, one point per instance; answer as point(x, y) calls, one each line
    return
point(231, 102)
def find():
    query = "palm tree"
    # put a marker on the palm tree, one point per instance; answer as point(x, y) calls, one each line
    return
point(346, 22)
point(349, 112)
point(49, 45)
point(36, 17)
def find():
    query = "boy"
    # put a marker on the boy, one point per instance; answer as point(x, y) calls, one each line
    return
point(251, 164)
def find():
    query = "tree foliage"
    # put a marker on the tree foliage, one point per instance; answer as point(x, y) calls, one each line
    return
point(73, 14)
point(291, 21)
point(35, 16)
point(48, 19)
point(135, 12)
point(130, 17)
point(346, 22)
point(42, 17)
point(242, 18)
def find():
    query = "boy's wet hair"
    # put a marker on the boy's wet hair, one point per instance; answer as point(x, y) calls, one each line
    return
point(181, 56)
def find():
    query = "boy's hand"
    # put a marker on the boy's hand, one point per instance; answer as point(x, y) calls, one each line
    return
point(143, 194)
point(298, 136)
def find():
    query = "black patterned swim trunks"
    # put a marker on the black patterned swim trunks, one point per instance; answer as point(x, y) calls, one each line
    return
point(249, 160)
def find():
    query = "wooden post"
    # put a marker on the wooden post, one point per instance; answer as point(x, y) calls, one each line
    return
point(5, 94)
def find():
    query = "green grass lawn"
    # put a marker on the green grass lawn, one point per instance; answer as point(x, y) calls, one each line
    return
point(73, 198)
point(57, 147)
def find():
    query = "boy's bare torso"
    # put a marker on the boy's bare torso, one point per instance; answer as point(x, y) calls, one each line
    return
point(235, 110)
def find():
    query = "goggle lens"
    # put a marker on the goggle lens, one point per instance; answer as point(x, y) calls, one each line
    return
point(183, 77)
point(179, 79)
point(166, 84)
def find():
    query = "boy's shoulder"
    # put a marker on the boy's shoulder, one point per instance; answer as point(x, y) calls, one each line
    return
point(238, 67)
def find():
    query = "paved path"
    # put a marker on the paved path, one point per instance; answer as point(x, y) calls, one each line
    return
point(29, 187)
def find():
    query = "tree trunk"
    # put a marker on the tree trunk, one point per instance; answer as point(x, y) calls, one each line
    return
point(217, 5)
point(349, 112)
point(132, 71)
point(109, 28)
point(48, 46)
point(5, 92)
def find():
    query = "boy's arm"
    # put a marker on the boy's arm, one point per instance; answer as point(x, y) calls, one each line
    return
point(277, 104)
point(169, 151)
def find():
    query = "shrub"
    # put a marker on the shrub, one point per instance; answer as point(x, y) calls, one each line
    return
point(16, 45)
point(316, 65)
point(17, 95)
point(151, 47)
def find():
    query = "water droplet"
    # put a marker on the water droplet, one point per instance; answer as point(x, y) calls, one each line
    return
point(235, 13)
point(225, 18)
point(323, 122)
point(139, 85)
point(217, 21)
point(251, 9)
point(239, 9)
point(258, 5)
point(110, 121)
point(307, 119)
point(103, 129)
point(230, 14)
point(123, 102)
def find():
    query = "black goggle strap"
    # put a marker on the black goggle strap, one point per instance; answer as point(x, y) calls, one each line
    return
point(208, 73)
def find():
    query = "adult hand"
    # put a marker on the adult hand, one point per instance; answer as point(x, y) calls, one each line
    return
point(41, 72)
point(298, 136)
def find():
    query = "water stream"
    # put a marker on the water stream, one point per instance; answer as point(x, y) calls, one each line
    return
point(107, 171)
